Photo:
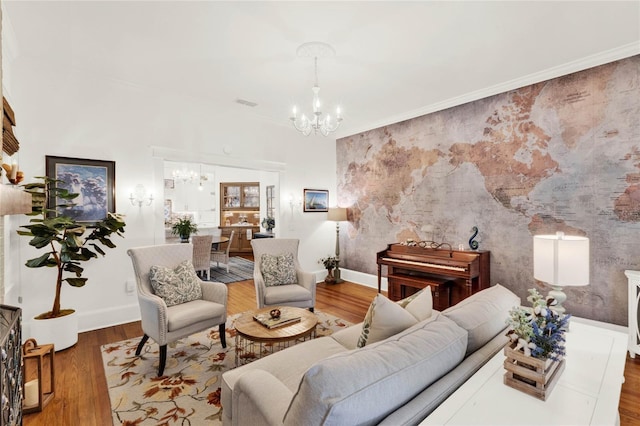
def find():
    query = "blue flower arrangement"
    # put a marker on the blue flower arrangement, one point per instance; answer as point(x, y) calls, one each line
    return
point(539, 332)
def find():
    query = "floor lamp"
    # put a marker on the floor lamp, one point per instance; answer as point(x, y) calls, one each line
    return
point(337, 214)
point(561, 261)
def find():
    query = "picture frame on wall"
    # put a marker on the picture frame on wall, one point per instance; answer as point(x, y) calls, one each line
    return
point(93, 180)
point(316, 200)
point(169, 184)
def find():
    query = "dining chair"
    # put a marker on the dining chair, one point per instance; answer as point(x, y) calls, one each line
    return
point(202, 253)
point(219, 256)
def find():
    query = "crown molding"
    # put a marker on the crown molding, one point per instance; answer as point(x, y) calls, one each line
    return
point(621, 52)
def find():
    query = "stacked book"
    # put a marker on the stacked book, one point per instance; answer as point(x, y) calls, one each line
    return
point(284, 319)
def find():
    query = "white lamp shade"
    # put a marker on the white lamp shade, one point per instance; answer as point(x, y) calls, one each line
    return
point(337, 214)
point(561, 260)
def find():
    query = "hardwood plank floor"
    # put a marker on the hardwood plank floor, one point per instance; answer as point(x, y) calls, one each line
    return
point(81, 390)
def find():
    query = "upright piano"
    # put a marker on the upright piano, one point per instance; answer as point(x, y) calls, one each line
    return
point(452, 274)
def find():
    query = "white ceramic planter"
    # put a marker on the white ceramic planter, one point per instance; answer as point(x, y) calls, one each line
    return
point(62, 331)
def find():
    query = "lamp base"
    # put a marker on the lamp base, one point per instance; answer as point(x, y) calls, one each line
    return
point(559, 296)
point(336, 275)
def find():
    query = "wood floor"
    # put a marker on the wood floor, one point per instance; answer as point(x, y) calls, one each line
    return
point(81, 391)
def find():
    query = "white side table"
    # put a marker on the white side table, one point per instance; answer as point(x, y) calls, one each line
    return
point(634, 312)
point(587, 393)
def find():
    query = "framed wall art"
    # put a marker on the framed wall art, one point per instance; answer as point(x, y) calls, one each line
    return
point(169, 184)
point(316, 200)
point(93, 180)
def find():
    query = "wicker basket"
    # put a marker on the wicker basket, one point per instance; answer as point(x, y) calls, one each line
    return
point(533, 376)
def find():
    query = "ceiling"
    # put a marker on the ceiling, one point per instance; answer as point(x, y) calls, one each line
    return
point(394, 60)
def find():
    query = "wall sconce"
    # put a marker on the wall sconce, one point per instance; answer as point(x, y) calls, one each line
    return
point(37, 361)
point(139, 196)
point(293, 203)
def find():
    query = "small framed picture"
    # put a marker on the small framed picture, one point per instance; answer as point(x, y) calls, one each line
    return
point(169, 184)
point(316, 200)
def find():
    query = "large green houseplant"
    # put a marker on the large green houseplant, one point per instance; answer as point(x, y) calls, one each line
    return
point(67, 244)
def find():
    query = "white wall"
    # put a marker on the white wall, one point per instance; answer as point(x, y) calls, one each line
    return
point(69, 113)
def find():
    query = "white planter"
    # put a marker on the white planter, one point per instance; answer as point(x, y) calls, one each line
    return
point(62, 331)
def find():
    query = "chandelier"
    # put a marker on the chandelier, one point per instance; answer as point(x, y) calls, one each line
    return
point(317, 122)
point(184, 175)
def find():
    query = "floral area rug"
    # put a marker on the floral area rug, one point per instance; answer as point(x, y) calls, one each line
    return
point(189, 391)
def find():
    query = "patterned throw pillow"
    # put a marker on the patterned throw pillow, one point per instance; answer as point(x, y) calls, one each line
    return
point(384, 319)
point(176, 286)
point(278, 269)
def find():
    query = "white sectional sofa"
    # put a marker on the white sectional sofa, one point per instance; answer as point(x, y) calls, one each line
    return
point(396, 381)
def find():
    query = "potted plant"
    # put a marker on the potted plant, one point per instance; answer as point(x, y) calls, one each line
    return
point(184, 227)
point(535, 357)
point(67, 245)
point(538, 332)
point(329, 262)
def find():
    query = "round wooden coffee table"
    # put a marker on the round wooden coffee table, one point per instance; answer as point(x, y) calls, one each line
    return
point(254, 340)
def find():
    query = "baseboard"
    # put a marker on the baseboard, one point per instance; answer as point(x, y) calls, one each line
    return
point(117, 315)
point(361, 278)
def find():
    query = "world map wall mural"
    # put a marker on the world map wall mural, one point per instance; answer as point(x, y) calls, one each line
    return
point(560, 155)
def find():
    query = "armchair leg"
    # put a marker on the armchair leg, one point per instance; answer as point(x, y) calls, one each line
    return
point(163, 360)
point(223, 335)
point(141, 344)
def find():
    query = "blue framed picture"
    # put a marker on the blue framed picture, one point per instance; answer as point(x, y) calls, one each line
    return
point(316, 200)
point(93, 180)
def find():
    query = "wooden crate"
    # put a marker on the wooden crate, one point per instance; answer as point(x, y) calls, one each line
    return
point(533, 376)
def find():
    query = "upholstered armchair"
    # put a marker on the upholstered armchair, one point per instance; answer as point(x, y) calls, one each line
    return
point(223, 255)
point(166, 324)
point(272, 259)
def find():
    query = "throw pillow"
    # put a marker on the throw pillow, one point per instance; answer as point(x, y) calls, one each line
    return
point(383, 319)
point(176, 286)
point(278, 269)
point(420, 304)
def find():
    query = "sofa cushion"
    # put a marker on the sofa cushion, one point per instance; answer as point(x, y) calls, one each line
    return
point(483, 314)
point(363, 386)
point(288, 366)
point(176, 286)
point(383, 319)
point(278, 269)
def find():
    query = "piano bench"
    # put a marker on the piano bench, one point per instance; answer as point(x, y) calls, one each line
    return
point(401, 286)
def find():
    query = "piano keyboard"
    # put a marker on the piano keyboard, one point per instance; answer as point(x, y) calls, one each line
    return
point(423, 264)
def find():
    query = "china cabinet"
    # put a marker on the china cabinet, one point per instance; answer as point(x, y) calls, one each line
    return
point(240, 212)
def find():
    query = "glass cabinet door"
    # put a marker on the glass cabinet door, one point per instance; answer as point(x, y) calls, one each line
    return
point(251, 196)
point(231, 196)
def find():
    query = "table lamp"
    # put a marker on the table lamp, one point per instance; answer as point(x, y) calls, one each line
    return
point(561, 261)
point(337, 214)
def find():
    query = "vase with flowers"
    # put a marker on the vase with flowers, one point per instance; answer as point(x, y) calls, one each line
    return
point(268, 223)
point(535, 356)
point(329, 262)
